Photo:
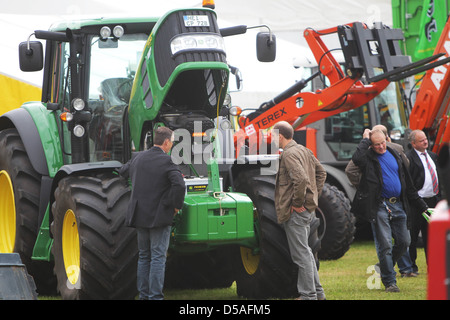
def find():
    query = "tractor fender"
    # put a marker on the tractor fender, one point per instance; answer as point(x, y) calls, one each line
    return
point(24, 123)
point(80, 169)
point(266, 163)
point(338, 178)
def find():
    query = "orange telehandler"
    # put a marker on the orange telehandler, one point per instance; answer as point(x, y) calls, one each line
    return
point(372, 61)
point(430, 111)
point(365, 50)
point(431, 114)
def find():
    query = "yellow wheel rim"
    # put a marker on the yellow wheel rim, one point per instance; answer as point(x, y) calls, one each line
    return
point(71, 247)
point(7, 214)
point(250, 261)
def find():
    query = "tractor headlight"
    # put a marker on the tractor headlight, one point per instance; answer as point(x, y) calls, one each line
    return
point(78, 131)
point(195, 42)
point(227, 100)
point(225, 124)
point(78, 104)
point(105, 32)
point(118, 31)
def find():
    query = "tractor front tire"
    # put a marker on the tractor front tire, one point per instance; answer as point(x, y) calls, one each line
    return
point(20, 187)
point(95, 253)
point(269, 273)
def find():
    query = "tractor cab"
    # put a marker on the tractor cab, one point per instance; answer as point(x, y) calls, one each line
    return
point(89, 72)
point(179, 64)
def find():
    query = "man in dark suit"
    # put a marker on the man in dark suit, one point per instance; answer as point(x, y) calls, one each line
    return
point(157, 194)
point(425, 178)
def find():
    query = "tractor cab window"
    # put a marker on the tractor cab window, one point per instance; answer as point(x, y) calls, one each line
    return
point(60, 90)
point(113, 66)
point(60, 75)
point(343, 131)
point(389, 111)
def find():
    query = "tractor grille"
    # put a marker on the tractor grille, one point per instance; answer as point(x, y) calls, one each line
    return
point(172, 26)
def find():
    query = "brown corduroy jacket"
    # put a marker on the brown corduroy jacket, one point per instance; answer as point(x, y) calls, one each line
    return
point(299, 180)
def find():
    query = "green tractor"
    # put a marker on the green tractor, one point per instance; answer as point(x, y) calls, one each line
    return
point(108, 84)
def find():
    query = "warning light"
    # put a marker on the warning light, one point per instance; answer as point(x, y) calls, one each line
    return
point(66, 116)
point(209, 4)
point(199, 134)
point(235, 111)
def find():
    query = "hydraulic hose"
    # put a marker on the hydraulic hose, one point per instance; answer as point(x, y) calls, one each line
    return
point(296, 87)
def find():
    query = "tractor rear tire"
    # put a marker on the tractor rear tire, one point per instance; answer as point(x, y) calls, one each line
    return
point(95, 253)
point(19, 222)
point(334, 208)
point(271, 272)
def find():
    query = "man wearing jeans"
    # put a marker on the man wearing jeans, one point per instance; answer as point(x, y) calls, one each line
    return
point(385, 191)
point(299, 182)
point(157, 194)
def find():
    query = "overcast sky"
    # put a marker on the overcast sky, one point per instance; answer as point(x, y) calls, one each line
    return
point(286, 18)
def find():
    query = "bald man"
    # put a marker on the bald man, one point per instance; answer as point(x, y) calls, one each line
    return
point(425, 178)
point(299, 183)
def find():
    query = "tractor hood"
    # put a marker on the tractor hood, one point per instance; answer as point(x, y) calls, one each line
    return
point(182, 69)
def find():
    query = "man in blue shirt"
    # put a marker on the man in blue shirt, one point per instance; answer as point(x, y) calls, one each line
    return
point(391, 181)
point(383, 198)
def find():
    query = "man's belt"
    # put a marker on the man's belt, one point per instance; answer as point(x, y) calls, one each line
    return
point(392, 200)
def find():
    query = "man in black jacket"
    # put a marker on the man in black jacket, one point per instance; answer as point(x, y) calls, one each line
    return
point(425, 178)
point(383, 199)
point(158, 191)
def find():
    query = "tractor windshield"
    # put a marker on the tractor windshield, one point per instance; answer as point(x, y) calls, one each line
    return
point(113, 67)
point(390, 112)
point(343, 131)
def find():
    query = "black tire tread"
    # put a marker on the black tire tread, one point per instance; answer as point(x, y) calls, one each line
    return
point(108, 249)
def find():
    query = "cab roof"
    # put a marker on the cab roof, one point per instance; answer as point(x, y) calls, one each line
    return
point(95, 22)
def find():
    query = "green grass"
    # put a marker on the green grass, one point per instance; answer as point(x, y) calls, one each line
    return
point(342, 279)
point(348, 278)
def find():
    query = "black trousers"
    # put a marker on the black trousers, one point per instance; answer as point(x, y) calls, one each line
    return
point(420, 225)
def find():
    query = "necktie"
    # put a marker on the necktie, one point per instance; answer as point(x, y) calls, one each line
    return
point(433, 175)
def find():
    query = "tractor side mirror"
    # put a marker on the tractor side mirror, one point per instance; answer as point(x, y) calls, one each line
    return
point(31, 57)
point(266, 47)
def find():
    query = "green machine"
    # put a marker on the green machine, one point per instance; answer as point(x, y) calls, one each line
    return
point(108, 84)
point(422, 22)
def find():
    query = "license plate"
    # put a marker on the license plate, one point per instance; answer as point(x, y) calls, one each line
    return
point(196, 21)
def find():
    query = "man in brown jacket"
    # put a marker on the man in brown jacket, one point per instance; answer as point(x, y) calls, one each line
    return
point(299, 183)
